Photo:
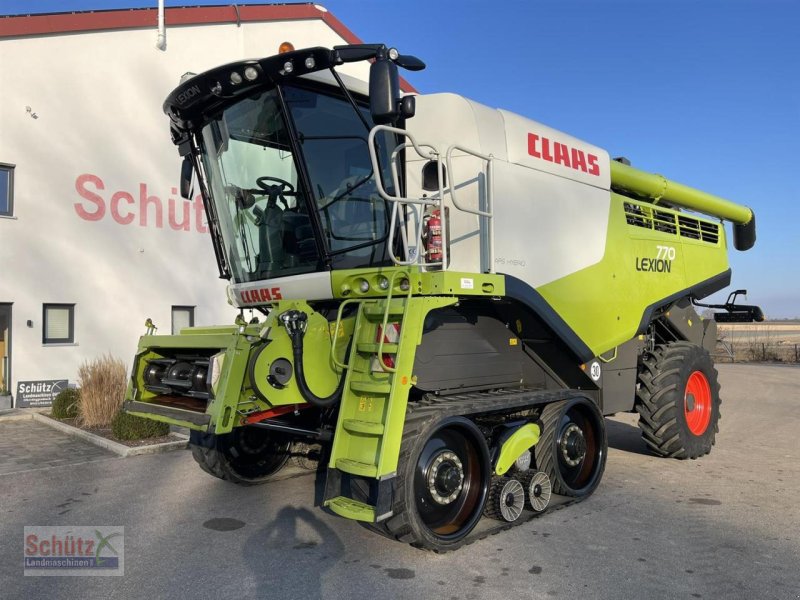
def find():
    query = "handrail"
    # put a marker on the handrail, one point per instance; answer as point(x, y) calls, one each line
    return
point(429, 152)
point(449, 157)
point(385, 322)
point(488, 214)
point(336, 330)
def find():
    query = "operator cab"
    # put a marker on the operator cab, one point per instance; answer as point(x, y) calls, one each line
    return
point(284, 165)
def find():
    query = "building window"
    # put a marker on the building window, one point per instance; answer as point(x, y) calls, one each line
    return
point(58, 324)
point(182, 316)
point(6, 190)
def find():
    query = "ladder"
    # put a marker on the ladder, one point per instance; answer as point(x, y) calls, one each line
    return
point(372, 412)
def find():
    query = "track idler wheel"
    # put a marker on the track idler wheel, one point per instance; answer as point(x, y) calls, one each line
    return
point(573, 446)
point(506, 500)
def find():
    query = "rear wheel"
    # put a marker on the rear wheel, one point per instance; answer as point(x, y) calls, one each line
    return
point(246, 456)
point(443, 477)
point(677, 399)
point(573, 446)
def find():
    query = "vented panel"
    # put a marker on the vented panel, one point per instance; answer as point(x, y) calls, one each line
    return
point(665, 221)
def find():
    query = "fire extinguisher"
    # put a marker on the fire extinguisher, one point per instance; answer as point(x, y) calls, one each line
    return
point(433, 236)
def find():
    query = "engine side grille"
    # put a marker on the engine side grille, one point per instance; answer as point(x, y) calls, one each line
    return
point(667, 221)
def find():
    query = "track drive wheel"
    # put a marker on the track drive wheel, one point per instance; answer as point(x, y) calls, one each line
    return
point(246, 456)
point(506, 499)
point(443, 476)
point(573, 447)
point(677, 399)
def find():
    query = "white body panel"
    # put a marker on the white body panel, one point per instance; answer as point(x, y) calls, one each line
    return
point(316, 286)
point(550, 190)
point(102, 140)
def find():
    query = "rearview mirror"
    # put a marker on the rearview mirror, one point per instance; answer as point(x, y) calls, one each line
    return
point(186, 178)
point(384, 91)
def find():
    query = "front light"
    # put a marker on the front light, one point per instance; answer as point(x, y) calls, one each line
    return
point(250, 73)
point(214, 371)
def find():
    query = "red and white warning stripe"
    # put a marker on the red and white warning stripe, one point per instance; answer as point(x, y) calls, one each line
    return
point(391, 335)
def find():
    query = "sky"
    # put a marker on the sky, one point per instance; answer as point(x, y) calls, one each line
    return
point(704, 92)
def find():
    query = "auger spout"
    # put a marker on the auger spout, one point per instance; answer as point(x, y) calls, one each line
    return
point(625, 178)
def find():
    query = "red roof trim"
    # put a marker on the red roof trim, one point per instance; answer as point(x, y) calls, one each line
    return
point(148, 17)
point(137, 18)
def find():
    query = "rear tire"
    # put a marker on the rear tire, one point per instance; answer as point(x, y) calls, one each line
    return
point(678, 401)
point(246, 456)
point(573, 447)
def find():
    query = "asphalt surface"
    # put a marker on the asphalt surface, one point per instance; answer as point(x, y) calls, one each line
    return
point(725, 526)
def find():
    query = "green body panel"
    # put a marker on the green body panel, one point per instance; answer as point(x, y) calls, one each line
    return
point(522, 440)
point(236, 394)
point(604, 303)
point(659, 188)
point(235, 344)
point(321, 374)
point(345, 283)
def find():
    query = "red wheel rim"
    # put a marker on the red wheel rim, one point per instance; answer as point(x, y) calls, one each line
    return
point(697, 403)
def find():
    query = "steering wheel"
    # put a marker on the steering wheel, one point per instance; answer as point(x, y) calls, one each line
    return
point(279, 191)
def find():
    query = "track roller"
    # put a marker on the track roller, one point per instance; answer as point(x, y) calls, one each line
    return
point(506, 499)
point(538, 489)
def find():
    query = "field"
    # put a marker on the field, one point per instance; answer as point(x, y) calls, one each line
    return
point(777, 341)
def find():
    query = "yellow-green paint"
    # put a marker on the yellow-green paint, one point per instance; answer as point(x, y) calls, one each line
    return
point(522, 440)
point(604, 303)
point(321, 374)
point(235, 393)
point(347, 283)
point(351, 509)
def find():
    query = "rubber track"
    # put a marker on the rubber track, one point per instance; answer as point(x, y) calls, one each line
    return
point(549, 418)
point(431, 408)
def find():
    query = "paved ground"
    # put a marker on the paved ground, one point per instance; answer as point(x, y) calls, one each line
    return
point(722, 527)
point(18, 453)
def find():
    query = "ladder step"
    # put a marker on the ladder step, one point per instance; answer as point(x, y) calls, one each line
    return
point(355, 467)
point(365, 427)
point(352, 509)
point(375, 312)
point(371, 387)
point(372, 347)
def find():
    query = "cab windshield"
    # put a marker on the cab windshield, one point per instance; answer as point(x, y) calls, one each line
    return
point(267, 215)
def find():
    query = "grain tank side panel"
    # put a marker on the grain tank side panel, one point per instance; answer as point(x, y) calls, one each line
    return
point(642, 267)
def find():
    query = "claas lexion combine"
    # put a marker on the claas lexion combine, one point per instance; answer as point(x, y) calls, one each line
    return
point(451, 297)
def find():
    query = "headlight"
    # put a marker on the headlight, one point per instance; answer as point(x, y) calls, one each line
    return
point(215, 371)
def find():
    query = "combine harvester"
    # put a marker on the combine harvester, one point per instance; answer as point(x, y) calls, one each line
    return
point(453, 296)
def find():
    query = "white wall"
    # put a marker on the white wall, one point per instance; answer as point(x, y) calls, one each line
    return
point(101, 134)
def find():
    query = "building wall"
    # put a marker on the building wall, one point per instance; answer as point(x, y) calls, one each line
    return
point(98, 220)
